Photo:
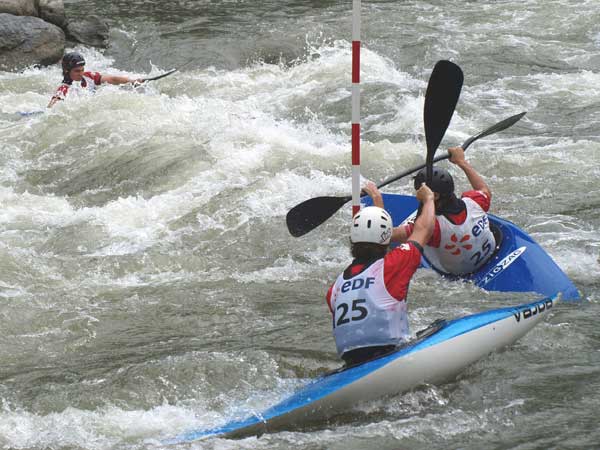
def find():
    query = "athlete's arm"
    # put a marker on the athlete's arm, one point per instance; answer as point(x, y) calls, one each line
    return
point(117, 79)
point(457, 156)
point(400, 233)
point(424, 224)
point(53, 100)
point(60, 94)
point(373, 191)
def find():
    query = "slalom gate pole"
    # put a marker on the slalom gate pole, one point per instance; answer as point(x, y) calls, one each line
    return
point(355, 107)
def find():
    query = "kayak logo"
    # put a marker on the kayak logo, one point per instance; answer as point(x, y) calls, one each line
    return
point(501, 266)
point(529, 311)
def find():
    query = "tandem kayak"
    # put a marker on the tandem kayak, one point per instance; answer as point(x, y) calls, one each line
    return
point(438, 354)
point(519, 264)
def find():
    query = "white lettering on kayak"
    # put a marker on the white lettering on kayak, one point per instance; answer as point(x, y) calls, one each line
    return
point(501, 266)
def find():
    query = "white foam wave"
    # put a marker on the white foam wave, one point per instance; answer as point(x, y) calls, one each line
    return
point(97, 430)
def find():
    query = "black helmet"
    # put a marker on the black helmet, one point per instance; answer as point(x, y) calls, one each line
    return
point(70, 61)
point(441, 181)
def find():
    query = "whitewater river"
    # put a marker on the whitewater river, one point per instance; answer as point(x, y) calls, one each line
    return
point(148, 284)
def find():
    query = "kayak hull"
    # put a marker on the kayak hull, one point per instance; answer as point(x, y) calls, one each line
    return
point(434, 358)
point(519, 265)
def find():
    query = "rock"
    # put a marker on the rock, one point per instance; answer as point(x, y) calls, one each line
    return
point(19, 7)
point(25, 41)
point(52, 11)
point(90, 31)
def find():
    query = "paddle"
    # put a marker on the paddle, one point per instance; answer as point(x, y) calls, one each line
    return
point(158, 77)
point(441, 96)
point(166, 74)
point(502, 125)
point(311, 213)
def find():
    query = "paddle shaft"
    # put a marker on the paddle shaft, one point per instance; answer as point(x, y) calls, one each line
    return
point(170, 72)
point(162, 75)
point(502, 125)
point(309, 214)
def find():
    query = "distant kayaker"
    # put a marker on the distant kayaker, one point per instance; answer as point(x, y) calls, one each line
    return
point(462, 241)
point(368, 300)
point(73, 71)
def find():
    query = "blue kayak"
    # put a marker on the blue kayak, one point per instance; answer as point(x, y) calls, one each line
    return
point(30, 113)
point(438, 354)
point(519, 264)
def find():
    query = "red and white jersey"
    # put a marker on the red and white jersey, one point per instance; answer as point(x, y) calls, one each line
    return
point(368, 303)
point(89, 82)
point(463, 247)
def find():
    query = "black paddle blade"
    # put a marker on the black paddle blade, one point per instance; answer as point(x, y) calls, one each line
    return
point(311, 213)
point(503, 125)
point(441, 97)
point(162, 75)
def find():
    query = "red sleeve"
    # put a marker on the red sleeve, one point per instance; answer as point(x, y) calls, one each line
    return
point(435, 237)
point(61, 92)
point(328, 297)
point(399, 265)
point(478, 197)
point(96, 76)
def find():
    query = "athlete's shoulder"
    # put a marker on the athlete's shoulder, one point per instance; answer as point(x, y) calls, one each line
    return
point(95, 76)
point(61, 91)
point(479, 197)
point(399, 266)
point(403, 252)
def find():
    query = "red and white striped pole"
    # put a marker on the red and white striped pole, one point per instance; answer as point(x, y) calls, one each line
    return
point(355, 107)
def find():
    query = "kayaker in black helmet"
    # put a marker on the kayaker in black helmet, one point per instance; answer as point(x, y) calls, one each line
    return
point(73, 71)
point(462, 240)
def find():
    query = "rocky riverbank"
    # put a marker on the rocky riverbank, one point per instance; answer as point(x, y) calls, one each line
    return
point(35, 32)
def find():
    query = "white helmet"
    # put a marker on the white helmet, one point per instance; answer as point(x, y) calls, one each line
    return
point(372, 224)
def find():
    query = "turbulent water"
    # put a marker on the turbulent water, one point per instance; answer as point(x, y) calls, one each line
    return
point(148, 284)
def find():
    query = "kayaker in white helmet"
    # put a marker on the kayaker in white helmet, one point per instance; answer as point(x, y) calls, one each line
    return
point(368, 300)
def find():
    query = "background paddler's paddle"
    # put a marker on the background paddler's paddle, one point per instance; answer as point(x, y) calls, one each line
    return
point(166, 74)
point(311, 213)
point(158, 77)
point(441, 96)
